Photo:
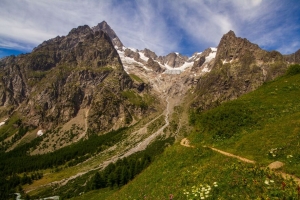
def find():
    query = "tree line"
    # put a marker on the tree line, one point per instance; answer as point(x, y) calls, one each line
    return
point(120, 173)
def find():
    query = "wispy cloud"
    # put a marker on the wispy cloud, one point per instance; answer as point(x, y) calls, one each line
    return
point(162, 26)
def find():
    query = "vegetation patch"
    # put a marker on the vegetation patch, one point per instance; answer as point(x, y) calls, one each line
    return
point(112, 178)
point(157, 124)
point(135, 99)
point(293, 70)
point(136, 78)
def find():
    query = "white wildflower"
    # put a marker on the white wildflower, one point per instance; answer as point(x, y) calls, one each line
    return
point(267, 181)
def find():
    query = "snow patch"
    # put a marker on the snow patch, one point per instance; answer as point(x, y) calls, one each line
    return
point(211, 56)
point(143, 57)
point(225, 61)
point(2, 123)
point(40, 133)
point(172, 71)
point(132, 49)
point(127, 61)
point(205, 69)
point(213, 48)
point(181, 68)
point(194, 55)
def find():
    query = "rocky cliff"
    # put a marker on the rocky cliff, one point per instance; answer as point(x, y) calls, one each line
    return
point(173, 60)
point(239, 67)
point(103, 26)
point(65, 74)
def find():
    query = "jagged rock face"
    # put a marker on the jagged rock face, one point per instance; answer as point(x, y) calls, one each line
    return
point(13, 90)
point(103, 26)
point(200, 59)
point(239, 67)
point(232, 47)
point(173, 60)
point(65, 74)
point(132, 54)
point(150, 54)
point(293, 58)
point(154, 65)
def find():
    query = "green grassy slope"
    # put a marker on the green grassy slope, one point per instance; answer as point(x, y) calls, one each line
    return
point(263, 126)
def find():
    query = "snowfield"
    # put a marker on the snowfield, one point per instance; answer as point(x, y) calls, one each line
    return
point(130, 63)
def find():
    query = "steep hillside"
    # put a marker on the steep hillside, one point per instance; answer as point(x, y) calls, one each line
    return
point(262, 126)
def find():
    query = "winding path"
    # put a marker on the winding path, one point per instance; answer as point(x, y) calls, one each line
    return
point(185, 142)
point(232, 155)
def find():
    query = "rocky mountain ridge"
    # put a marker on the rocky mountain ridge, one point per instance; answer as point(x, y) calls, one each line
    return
point(64, 75)
point(235, 67)
point(90, 71)
point(239, 67)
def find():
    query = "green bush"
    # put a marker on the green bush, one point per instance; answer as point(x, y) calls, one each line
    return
point(293, 70)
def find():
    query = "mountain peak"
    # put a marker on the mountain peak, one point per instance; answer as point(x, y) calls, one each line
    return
point(80, 29)
point(103, 26)
point(231, 33)
point(232, 47)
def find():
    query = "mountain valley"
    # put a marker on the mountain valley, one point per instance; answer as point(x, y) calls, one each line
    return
point(87, 118)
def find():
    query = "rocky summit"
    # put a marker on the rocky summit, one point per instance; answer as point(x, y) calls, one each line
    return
point(91, 113)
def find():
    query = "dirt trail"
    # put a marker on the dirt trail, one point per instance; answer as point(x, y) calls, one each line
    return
point(232, 155)
point(185, 142)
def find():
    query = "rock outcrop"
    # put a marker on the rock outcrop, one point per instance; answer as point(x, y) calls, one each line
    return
point(173, 60)
point(150, 54)
point(154, 65)
point(293, 58)
point(132, 54)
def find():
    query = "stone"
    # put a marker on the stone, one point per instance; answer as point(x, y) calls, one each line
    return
point(275, 165)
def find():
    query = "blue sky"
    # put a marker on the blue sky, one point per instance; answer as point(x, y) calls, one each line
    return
point(164, 26)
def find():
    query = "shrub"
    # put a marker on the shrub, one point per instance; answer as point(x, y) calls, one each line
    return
point(293, 70)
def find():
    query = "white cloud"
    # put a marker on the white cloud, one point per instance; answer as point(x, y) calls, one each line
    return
point(36, 21)
point(144, 27)
point(162, 26)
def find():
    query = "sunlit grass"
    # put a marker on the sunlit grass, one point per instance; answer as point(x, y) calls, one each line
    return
point(274, 113)
point(180, 170)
